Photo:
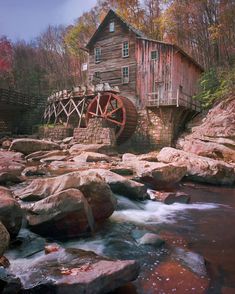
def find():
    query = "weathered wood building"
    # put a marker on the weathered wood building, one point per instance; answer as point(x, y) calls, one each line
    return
point(159, 78)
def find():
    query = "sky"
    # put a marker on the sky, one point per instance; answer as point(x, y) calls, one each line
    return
point(26, 19)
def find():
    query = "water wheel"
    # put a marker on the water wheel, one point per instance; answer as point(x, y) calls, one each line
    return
point(118, 112)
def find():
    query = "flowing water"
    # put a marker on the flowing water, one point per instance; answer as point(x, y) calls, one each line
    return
point(199, 254)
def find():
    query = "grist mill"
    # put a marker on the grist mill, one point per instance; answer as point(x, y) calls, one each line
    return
point(139, 91)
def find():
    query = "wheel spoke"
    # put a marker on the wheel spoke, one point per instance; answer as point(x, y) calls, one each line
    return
point(113, 111)
point(115, 121)
point(107, 105)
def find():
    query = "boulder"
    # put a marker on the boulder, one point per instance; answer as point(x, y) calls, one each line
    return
point(157, 173)
point(31, 171)
point(91, 157)
point(9, 283)
point(4, 239)
point(76, 271)
point(98, 148)
point(41, 188)
point(65, 214)
point(121, 185)
point(151, 239)
point(214, 136)
point(38, 155)
point(169, 197)
point(10, 212)
point(11, 166)
point(151, 156)
point(27, 146)
point(199, 168)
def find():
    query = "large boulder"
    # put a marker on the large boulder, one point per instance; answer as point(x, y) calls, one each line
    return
point(76, 271)
point(91, 157)
point(27, 146)
point(65, 214)
point(39, 155)
point(41, 188)
point(214, 137)
point(11, 166)
point(158, 173)
point(4, 239)
point(10, 212)
point(200, 168)
point(121, 185)
point(77, 149)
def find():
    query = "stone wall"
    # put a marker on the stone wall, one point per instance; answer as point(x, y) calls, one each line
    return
point(96, 132)
point(55, 133)
point(157, 128)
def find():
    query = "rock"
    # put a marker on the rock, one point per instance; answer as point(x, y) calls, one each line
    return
point(169, 197)
point(98, 148)
point(10, 212)
point(4, 239)
point(6, 144)
point(31, 171)
point(41, 188)
point(11, 166)
point(38, 155)
point(214, 137)
point(121, 185)
point(50, 248)
point(53, 158)
point(27, 146)
point(76, 271)
point(91, 157)
point(129, 157)
point(151, 156)
point(123, 171)
point(199, 168)
point(9, 283)
point(4, 262)
point(64, 215)
point(67, 140)
point(158, 173)
point(151, 239)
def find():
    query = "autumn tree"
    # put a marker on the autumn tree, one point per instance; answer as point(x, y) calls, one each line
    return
point(6, 60)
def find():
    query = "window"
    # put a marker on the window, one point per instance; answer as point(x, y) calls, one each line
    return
point(111, 27)
point(125, 75)
point(97, 55)
point(154, 55)
point(125, 49)
point(97, 74)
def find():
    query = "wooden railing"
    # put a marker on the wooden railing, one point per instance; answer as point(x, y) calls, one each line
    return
point(15, 98)
point(181, 99)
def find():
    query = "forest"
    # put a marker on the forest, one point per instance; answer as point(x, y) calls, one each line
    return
point(205, 29)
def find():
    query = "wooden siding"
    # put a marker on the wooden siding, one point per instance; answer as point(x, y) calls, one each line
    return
point(185, 79)
point(154, 76)
point(110, 66)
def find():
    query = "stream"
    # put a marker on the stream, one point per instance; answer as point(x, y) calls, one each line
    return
point(198, 256)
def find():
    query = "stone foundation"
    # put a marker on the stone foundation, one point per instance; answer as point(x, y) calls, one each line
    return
point(96, 132)
point(157, 128)
point(55, 133)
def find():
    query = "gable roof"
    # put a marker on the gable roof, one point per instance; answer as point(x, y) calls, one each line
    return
point(110, 14)
point(139, 35)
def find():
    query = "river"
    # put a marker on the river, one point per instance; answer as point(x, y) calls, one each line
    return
point(198, 256)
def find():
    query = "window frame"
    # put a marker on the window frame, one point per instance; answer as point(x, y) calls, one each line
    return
point(112, 27)
point(124, 76)
point(124, 49)
point(154, 51)
point(97, 60)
